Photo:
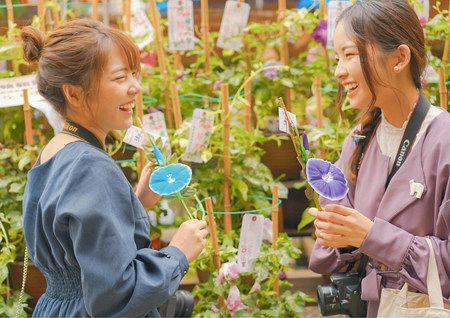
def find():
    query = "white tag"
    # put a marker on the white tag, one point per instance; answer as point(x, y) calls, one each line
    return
point(282, 121)
point(155, 124)
point(234, 20)
point(250, 240)
point(201, 130)
point(335, 8)
point(181, 25)
point(135, 137)
point(11, 94)
point(141, 29)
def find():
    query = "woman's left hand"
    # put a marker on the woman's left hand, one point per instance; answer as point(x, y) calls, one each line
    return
point(339, 226)
point(147, 197)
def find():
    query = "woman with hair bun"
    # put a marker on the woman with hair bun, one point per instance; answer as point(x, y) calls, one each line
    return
point(397, 159)
point(85, 228)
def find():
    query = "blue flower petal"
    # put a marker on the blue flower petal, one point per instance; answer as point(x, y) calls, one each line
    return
point(159, 156)
point(170, 179)
point(326, 179)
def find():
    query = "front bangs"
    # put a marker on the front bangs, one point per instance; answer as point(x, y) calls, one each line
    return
point(129, 51)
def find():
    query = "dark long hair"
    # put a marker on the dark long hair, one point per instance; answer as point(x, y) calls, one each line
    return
point(385, 24)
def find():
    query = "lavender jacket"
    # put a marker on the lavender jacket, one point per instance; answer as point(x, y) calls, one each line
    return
point(401, 221)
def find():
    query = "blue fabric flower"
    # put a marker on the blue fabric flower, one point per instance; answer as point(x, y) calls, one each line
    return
point(170, 179)
point(326, 179)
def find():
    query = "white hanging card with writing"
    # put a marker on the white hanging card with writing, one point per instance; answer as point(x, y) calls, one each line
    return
point(282, 120)
point(201, 130)
point(155, 124)
point(250, 240)
point(234, 20)
point(141, 29)
point(335, 8)
point(135, 137)
point(181, 25)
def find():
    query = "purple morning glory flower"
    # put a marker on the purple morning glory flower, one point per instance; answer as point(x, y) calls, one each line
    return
point(271, 73)
point(305, 141)
point(320, 32)
point(282, 275)
point(326, 179)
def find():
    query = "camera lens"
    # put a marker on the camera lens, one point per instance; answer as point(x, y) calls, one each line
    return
point(328, 297)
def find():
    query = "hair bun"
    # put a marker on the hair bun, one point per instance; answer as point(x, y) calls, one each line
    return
point(33, 43)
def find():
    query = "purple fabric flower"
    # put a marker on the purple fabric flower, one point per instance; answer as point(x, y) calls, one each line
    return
point(271, 73)
point(305, 141)
point(282, 275)
point(326, 179)
point(234, 302)
point(320, 32)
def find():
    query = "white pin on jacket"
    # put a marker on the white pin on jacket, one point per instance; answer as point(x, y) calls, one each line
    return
point(416, 188)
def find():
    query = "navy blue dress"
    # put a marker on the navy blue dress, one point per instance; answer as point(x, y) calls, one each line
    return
point(89, 235)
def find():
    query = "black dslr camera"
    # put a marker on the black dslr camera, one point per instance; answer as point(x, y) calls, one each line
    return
point(180, 304)
point(342, 296)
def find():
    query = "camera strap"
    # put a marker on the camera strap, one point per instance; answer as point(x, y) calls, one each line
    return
point(74, 129)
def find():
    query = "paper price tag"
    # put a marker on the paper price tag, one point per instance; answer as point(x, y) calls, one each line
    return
point(155, 124)
point(335, 8)
point(250, 240)
point(135, 137)
point(141, 29)
point(282, 120)
point(234, 20)
point(201, 130)
point(181, 25)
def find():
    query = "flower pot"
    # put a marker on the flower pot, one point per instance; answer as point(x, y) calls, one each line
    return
point(281, 160)
point(35, 284)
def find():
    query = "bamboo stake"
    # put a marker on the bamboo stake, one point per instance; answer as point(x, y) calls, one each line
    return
point(178, 61)
point(205, 34)
point(248, 105)
point(27, 118)
point(139, 114)
point(10, 14)
point(94, 13)
point(213, 233)
point(154, 18)
point(318, 96)
point(226, 157)
point(323, 9)
point(41, 14)
point(284, 48)
point(276, 285)
point(126, 7)
point(176, 106)
point(442, 88)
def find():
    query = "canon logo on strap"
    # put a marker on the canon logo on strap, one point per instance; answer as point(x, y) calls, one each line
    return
point(401, 155)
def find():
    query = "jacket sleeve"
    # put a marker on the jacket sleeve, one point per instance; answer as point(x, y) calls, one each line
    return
point(326, 260)
point(118, 278)
point(408, 254)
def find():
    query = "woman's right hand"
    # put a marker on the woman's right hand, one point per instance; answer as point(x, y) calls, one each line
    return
point(191, 238)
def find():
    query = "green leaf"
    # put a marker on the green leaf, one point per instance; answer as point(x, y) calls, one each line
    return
point(287, 82)
point(305, 220)
point(16, 187)
point(23, 162)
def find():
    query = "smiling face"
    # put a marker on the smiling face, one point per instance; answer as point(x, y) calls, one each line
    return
point(349, 72)
point(117, 92)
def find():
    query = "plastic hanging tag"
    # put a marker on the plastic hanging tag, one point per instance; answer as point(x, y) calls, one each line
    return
point(234, 20)
point(141, 29)
point(250, 240)
point(201, 130)
point(155, 124)
point(181, 25)
point(282, 120)
point(135, 137)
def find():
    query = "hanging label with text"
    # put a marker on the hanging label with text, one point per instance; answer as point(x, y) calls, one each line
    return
point(141, 29)
point(181, 25)
point(250, 240)
point(234, 20)
point(201, 130)
point(282, 120)
point(155, 124)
